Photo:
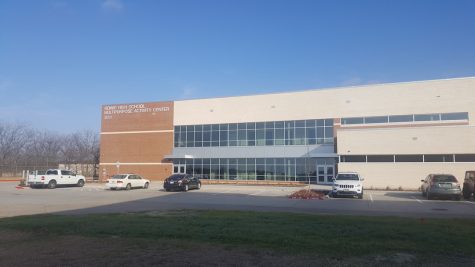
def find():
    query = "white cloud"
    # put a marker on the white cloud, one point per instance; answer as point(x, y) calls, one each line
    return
point(113, 5)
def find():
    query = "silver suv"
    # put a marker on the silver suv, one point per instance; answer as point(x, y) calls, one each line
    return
point(348, 184)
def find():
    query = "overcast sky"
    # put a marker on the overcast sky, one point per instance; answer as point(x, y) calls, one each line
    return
point(60, 60)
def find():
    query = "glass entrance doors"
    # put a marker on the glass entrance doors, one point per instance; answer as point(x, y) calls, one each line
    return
point(179, 168)
point(325, 174)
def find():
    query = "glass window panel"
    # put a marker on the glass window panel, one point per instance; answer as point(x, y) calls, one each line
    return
point(206, 136)
point(454, 116)
point(359, 120)
point(353, 158)
point(215, 138)
point(279, 161)
point(279, 142)
point(260, 172)
point(251, 137)
point(260, 137)
point(269, 137)
point(223, 135)
point(280, 172)
point(401, 118)
point(260, 161)
point(289, 124)
point(408, 158)
point(299, 136)
point(232, 126)
point(427, 117)
point(328, 132)
point(380, 158)
point(251, 171)
point(251, 161)
point(232, 143)
point(269, 125)
point(242, 137)
point(310, 123)
point(215, 127)
point(320, 132)
point(465, 158)
point(207, 127)
point(311, 133)
point(279, 134)
point(241, 126)
point(378, 119)
point(251, 125)
point(279, 124)
point(260, 125)
point(214, 172)
point(190, 128)
point(320, 122)
point(299, 123)
point(214, 161)
point(233, 135)
point(438, 158)
point(190, 138)
point(311, 141)
point(198, 128)
point(328, 122)
point(270, 172)
point(223, 127)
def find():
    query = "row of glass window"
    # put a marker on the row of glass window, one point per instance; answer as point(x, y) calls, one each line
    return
point(406, 118)
point(410, 158)
point(272, 169)
point(273, 133)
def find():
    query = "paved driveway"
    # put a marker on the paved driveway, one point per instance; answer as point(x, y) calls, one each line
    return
point(94, 198)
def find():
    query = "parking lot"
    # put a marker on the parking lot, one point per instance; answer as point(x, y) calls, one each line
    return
point(94, 198)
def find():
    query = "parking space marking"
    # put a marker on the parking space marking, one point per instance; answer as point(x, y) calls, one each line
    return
point(371, 197)
point(469, 202)
point(418, 200)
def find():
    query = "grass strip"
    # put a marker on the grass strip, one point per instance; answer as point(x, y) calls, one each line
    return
point(293, 233)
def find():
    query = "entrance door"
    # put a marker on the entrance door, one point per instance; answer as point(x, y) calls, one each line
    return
point(325, 173)
point(179, 168)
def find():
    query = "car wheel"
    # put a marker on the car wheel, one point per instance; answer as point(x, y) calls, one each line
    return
point(52, 184)
point(466, 194)
point(80, 183)
point(198, 186)
point(145, 186)
point(167, 189)
point(128, 187)
point(185, 188)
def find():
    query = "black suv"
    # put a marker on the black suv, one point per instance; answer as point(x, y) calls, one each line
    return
point(469, 184)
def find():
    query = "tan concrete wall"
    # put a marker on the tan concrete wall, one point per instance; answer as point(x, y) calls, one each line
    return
point(405, 175)
point(419, 140)
point(451, 95)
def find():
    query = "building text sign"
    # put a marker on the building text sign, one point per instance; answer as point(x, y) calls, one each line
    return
point(110, 110)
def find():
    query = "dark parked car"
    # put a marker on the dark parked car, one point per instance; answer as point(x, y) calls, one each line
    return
point(441, 185)
point(182, 182)
point(469, 184)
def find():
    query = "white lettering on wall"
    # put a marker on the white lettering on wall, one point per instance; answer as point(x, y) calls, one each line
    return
point(130, 109)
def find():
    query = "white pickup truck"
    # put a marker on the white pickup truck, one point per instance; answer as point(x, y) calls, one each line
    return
point(55, 177)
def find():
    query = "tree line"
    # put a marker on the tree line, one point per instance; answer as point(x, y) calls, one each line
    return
point(25, 148)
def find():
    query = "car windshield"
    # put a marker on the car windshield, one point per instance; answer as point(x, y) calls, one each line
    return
point(444, 178)
point(347, 176)
point(176, 177)
point(119, 176)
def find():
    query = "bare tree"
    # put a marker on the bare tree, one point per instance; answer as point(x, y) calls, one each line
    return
point(13, 138)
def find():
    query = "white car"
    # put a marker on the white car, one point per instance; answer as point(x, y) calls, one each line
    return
point(127, 181)
point(348, 184)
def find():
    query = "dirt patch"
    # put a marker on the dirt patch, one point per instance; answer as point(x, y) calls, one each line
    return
point(308, 194)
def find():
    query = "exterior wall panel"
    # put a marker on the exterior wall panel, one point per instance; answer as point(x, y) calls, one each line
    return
point(404, 175)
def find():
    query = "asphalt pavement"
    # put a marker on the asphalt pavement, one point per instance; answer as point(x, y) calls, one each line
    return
point(95, 198)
